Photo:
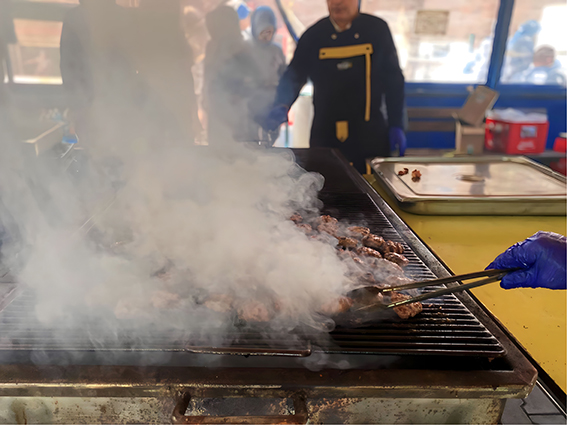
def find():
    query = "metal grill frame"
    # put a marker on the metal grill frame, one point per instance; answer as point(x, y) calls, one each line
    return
point(396, 381)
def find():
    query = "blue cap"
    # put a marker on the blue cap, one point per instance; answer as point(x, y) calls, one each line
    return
point(243, 11)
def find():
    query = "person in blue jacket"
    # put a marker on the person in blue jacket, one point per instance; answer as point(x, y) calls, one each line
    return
point(352, 61)
point(541, 262)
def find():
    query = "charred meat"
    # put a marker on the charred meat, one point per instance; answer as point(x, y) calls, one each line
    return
point(347, 243)
point(221, 303)
point(328, 224)
point(336, 306)
point(296, 218)
point(374, 242)
point(403, 172)
point(306, 228)
point(254, 311)
point(415, 175)
point(368, 252)
point(407, 310)
point(358, 232)
point(391, 246)
point(399, 259)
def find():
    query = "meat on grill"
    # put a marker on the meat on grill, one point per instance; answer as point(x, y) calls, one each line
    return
point(221, 303)
point(358, 232)
point(399, 259)
point(368, 252)
point(391, 246)
point(407, 310)
point(336, 306)
point(165, 300)
point(296, 218)
point(254, 311)
point(306, 228)
point(347, 242)
point(328, 224)
point(374, 242)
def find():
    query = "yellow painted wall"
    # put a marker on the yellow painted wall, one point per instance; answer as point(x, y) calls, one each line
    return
point(536, 317)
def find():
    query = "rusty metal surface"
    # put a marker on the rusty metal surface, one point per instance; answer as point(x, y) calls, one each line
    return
point(103, 410)
point(180, 415)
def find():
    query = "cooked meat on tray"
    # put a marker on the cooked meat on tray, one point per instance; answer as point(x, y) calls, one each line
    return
point(416, 175)
point(407, 310)
point(403, 172)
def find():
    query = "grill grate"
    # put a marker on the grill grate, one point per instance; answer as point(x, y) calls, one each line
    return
point(445, 327)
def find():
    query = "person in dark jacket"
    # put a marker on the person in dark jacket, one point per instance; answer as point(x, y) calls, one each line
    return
point(351, 59)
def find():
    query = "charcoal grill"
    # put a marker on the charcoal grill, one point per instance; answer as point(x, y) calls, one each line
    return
point(452, 363)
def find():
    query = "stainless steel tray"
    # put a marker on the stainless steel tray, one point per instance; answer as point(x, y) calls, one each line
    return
point(487, 185)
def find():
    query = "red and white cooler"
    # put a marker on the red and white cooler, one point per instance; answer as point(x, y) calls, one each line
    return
point(516, 133)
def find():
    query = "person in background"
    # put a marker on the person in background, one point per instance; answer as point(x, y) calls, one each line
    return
point(545, 69)
point(229, 78)
point(520, 50)
point(163, 60)
point(352, 61)
point(97, 77)
point(270, 63)
point(541, 260)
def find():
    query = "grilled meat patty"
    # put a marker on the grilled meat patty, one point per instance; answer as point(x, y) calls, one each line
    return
point(407, 310)
point(347, 242)
point(399, 259)
point(374, 242)
point(368, 252)
point(336, 306)
point(357, 232)
point(328, 224)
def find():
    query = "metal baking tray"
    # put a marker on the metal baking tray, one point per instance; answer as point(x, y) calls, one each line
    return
point(485, 185)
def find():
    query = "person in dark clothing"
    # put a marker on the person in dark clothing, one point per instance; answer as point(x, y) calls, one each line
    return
point(351, 59)
point(230, 76)
point(97, 77)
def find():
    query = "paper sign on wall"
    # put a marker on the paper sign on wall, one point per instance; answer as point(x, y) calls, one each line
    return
point(431, 22)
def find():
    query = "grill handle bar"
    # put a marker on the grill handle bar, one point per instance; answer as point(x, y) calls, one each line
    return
point(179, 417)
point(450, 279)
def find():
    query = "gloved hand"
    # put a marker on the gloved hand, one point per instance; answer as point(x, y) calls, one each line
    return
point(276, 117)
point(541, 258)
point(398, 140)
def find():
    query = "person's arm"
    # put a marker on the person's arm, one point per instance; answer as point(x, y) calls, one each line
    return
point(541, 260)
point(393, 79)
point(294, 77)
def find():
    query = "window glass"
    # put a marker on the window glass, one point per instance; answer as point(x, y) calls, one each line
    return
point(536, 52)
point(35, 56)
point(437, 41)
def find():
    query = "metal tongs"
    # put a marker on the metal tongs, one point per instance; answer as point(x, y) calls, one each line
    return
point(491, 276)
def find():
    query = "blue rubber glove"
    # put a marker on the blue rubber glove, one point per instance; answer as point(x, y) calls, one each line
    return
point(542, 259)
point(276, 117)
point(398, 140)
